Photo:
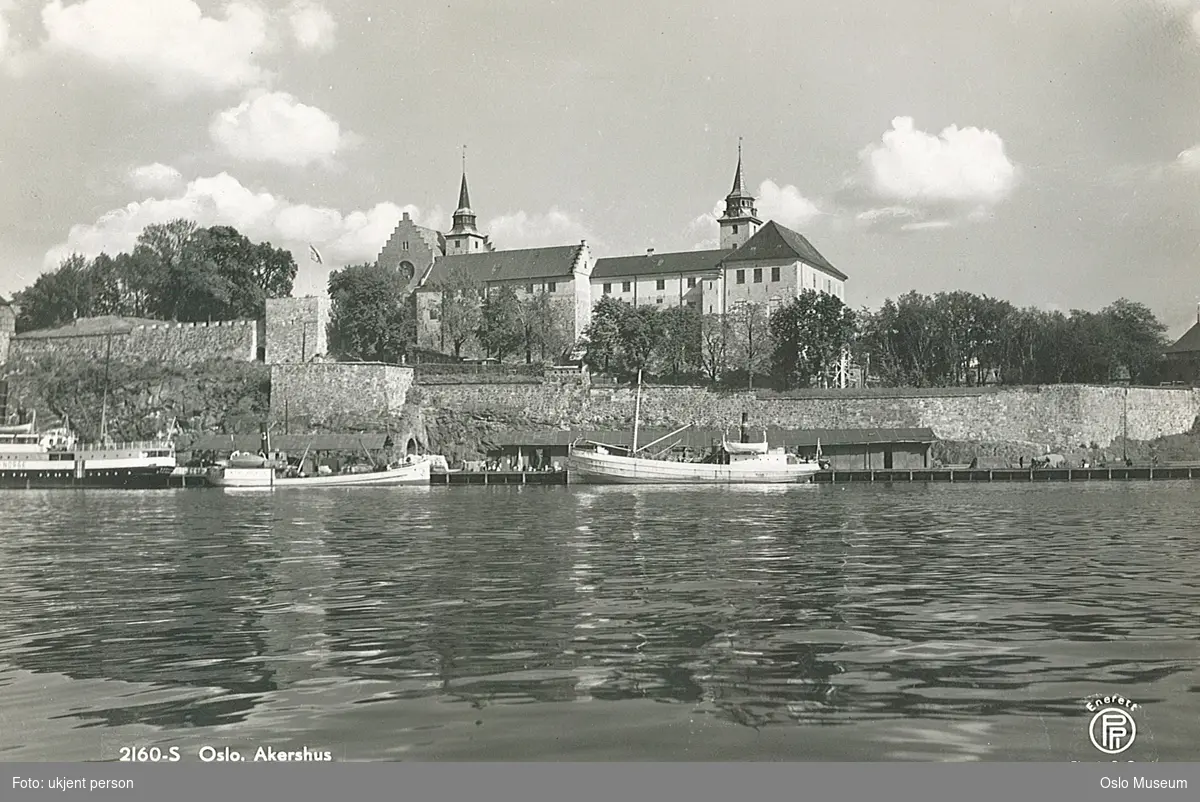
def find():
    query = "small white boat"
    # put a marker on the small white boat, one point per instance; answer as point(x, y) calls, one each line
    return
point(266, 477)
point(734, 463)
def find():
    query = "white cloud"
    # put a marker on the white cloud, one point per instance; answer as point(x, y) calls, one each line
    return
point(1189, 159)
point(785, 205)
point(927, 225)
point(171, 43)
point(958, 166)
point(274, 126)
point(154, 177)
point(313, 27)
point(4, 34)
point(524, 230)
point(1196, 23)
point(223, 200)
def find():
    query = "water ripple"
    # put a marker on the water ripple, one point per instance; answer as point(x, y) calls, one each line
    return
point(905, 622)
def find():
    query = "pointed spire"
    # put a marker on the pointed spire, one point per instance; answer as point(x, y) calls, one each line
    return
point(464, 197)
point(739, 181)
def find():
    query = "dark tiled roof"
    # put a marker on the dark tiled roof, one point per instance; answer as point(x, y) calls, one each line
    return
point(531, 263)
point(91, 327)
point(774, 241)
point(1188, 343)
point(658, 264)
point(291, 443)
point(702, 438)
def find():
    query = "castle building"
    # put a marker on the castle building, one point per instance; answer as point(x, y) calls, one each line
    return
point(767, 264)
point(434, 262)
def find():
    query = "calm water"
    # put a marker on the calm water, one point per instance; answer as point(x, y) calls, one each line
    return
point(961, 622)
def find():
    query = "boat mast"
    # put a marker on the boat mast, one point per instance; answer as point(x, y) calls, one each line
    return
point(637, 412)
point(104, 398)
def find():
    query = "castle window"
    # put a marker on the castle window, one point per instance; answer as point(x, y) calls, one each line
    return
point(735, 228)
point(404, 245)
point(607, 288)
point(691, 283)
point(660, 284)
point(551, 286)
point(774, 274)
point(433, 313)
point(741, 277)
point(625, 286)
point(758, 275)
point(658, 300)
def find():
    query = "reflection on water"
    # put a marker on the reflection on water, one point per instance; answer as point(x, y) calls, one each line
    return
point(810, 622)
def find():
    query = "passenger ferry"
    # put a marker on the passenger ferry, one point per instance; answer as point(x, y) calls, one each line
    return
point(32, 459)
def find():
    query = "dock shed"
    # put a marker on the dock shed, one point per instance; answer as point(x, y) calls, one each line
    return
point(845, 449)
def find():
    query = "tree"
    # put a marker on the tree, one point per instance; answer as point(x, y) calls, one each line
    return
point(680, 348)
point(602, 339)
point(231, 277)
point(370, 319)
point(57, 297)
point(713, 351)
point(749, 344)
point(460, 308)
point(548, 324)
point(641, 332)
point(810, 335)
point(501, 326)
point(1138, 339)
point(160, 250)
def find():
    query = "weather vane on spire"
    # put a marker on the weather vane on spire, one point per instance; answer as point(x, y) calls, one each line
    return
point(464, 158)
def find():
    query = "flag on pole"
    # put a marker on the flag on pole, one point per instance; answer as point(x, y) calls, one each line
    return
point(315, 255)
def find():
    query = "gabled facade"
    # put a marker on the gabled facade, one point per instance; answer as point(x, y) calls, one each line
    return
point(1182, 358)
point(768, 264)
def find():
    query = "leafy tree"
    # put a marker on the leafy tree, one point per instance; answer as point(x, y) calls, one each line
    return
point(810, 335)
point(57, 297)
point(602, 339)
point(680, 348)
point(501, 326)
point(713, 349)
point(160, 250)
point(1137, 339)
point(231, 277)
point(548, 326)
point(370, 319)
point(750, 339)
point(460, 308)
point(641, 332)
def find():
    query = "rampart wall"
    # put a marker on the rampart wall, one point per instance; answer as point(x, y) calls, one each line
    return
point(173, 343)
point(1057, 416)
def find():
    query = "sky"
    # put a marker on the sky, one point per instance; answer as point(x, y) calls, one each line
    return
point(1046, 153)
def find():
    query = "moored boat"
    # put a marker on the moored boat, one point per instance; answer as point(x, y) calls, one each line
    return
point(267, 476)
point(54, 458)
point(731, 463)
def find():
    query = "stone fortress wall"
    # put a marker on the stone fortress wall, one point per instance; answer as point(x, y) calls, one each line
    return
point(294, 330)
point(173, 343)
point(1057, 416)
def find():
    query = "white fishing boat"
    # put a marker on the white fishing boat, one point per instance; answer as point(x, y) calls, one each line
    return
point(732, 463)
point(267, 477)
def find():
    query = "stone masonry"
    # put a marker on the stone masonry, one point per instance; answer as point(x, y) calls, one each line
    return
point(1060, 416)
point(296, 329)
point(338, 391)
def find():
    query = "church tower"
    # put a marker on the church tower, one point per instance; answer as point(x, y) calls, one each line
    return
point(464, 237)
point(740, 221)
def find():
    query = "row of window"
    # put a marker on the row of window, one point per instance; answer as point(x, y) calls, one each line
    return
point(758, 275)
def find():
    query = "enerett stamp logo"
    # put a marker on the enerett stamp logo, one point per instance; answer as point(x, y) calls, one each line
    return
point(1112, 729)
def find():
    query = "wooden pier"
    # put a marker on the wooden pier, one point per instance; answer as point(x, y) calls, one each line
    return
point(499, 478)
point(1011, 474)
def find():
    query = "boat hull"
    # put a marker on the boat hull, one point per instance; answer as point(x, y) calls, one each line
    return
point(136, 478)
point(591, 468)
point(265, 478)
